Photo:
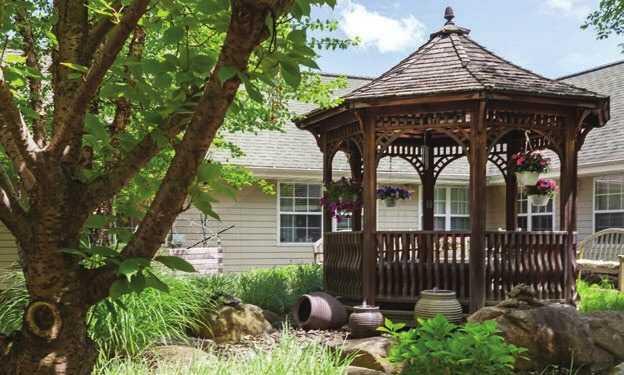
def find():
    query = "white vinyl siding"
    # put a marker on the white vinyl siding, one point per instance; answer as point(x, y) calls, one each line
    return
point(608, 202)
point(8, 249)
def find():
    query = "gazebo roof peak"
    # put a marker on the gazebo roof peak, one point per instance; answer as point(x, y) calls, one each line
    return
point(451, 62)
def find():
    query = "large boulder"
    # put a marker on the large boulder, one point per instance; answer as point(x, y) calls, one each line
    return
point(369, 353)
point(232, 322)
point(557, 334)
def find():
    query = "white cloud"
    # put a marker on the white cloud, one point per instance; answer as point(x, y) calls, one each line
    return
point(576, 8)
point(378, 31)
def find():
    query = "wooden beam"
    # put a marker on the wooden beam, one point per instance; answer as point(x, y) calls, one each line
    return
point(355, 163)
point(428, 184)
point(478, 155)
point(511, 187)
point(369, 185)
point(327, 179)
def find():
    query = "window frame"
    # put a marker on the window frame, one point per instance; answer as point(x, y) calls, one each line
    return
point(595, 211)
point(530, 214)
point(279, 213)
point(448, 215)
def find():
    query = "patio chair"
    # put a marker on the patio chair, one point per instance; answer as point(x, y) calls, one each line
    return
point(603, 253)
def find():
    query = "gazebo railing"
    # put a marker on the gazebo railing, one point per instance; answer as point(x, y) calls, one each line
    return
point(409, 262)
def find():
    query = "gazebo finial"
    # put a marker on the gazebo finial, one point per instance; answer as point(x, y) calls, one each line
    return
point(449, 15)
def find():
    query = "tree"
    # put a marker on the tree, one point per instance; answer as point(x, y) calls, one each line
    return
point(103, 94)
point(608, 19)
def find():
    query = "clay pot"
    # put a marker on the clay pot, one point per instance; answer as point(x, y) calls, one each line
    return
point(438, 302)
point(364, 321)
point(319, 310)
point(527, 178)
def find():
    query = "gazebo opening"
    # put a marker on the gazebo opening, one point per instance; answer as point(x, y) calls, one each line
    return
point(453, 99)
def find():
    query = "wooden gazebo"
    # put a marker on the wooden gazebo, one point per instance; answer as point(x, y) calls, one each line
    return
point(449, 99)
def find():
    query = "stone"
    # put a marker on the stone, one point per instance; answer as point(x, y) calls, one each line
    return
point(276, 321)
point(557, 334)
point(370, 353)
point(231, 323)
point(179, 354)
point(355, 370)
point(617, 370)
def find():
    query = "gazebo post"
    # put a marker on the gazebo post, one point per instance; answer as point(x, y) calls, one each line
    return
point(478, 155)
point(511, 187)
point(369, 196)
point(355, 163)
point(569, 176)
point(327, 179)
point(428, 184)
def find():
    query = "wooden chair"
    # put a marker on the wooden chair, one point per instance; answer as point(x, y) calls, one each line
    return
point(603, 253)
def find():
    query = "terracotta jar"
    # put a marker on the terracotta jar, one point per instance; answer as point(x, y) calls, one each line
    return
point(319, 310)
point(438, 302)
point(364, 321)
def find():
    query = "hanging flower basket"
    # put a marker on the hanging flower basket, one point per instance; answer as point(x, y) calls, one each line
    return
point(528, 166)
point(341, 198)
point(541, 193)
point(390, 194)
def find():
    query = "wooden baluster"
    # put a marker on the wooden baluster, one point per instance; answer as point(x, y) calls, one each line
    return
point(454, 270)
point(405, 277)
point(412, 264)
point(462, 269)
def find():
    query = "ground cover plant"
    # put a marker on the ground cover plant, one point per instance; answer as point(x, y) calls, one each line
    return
point(137, 321)
point(438, 347)
point(287, 358)
point(599, 297)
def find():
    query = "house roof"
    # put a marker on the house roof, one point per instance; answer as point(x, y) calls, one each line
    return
point(451, 62)
point(605, 144)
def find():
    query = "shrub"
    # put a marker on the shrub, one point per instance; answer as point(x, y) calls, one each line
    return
point(288, 357)
point(13, 300)
point(599, 297)
point(438, 347)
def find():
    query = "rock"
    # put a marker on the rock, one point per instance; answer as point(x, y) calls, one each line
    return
point(369, 353)
point(179, 354)
point(231, 323)
point(355, 370)
point(557, 334)
point(276, 321)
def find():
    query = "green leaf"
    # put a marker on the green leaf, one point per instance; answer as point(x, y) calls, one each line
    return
point(174, 34)
point(176, 263)
point(97, 221)
point(132, 266)
point(119, 288)
point(291, 74)
point(227, 72)
point(151, 281)
point(76, 67)
point(75, 252)
point(104, 252)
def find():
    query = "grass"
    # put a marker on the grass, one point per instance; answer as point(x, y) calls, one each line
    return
point(153, 317)
point(288, 357)
point(599, 297)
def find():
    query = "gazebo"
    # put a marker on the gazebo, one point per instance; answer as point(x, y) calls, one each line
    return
point(449, 99)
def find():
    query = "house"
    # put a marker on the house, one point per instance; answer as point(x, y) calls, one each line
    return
point(279, 229)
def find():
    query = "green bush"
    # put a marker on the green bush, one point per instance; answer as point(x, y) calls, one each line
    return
point(438, 347)
point(13, 300)
point(287, 358)
point(599, 297)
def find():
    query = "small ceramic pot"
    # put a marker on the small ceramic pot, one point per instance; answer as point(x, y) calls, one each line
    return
point(390, 202)
point(438, 302)
point(527, 178)
point(539, 200)
point(364, 321)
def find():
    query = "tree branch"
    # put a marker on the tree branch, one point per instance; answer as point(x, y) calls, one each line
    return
point(12, 213)
point(34, 83)
point(246, 31)
point(99, 31)
point(69, 127)
point(14, 133)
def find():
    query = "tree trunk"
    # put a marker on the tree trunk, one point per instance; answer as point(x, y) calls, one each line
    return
point(53, 339)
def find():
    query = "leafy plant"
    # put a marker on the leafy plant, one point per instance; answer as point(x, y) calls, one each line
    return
point(544, 186)
point(438, 347)
point(341, 197)
point(599, 297)
point(390, 192)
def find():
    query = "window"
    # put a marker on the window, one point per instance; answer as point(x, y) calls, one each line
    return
point(609, 202)
point(534, 218)
point(299, 213)
point(345, 224)
point(451, 208)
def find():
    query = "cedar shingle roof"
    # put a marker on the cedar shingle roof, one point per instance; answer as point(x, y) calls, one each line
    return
point(451, 62)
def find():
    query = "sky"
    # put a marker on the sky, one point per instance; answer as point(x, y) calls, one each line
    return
point(541, 35)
